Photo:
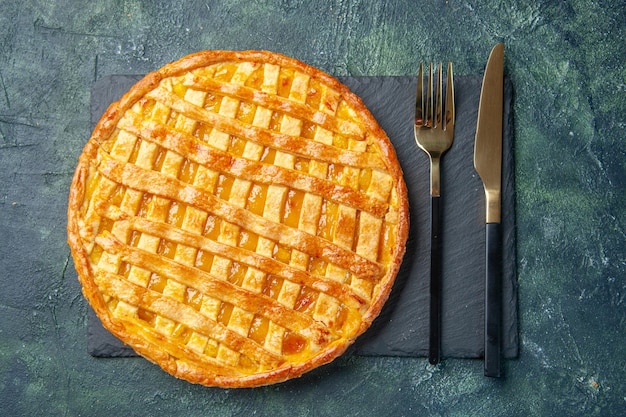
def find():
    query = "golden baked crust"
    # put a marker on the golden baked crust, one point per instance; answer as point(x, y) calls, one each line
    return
point(237, 218)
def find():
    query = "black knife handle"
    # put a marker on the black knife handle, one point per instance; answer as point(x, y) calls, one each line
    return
point(493, 299)
point(434, 354)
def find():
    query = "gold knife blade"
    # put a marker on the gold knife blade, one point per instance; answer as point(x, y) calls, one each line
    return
point(488, 164)
point(488, 143)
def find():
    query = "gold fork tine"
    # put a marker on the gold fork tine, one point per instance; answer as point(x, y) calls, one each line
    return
point(429, 97)
point(419, 101)
point(439, 103)
point(449, 120)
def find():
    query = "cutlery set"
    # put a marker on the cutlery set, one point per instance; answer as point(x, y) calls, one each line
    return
point(434, 133)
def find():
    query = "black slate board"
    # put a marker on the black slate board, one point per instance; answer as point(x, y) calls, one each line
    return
point(402, 327)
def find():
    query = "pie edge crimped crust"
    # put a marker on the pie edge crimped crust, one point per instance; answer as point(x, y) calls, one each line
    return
point(108, 124)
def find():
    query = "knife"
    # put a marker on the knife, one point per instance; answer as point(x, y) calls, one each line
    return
point(488, 164)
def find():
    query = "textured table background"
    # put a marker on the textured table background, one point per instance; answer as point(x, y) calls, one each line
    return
point(566, 62)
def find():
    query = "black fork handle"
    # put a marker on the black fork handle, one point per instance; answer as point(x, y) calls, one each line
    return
point(434, 345)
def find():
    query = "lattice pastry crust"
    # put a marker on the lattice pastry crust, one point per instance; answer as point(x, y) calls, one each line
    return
point(237, 218)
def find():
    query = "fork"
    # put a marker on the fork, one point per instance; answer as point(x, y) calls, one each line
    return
point(434, 133)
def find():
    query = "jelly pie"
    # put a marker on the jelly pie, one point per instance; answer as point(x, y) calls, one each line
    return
point(237, 218)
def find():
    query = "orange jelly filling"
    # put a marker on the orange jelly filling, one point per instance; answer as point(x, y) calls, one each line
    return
point(293, 343)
